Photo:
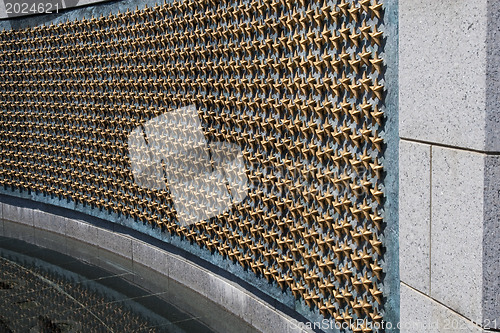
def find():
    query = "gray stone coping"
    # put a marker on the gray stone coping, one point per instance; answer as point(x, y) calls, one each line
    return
point(220, 290)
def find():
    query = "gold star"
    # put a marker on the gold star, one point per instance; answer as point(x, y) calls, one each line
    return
point(344, 57)
point(376, 167)
point(326, 308)
point(376, 36)
point(366, 159)
point(355, 163)
point(376, 9)
point(356, 189)
point(346, 130)
point(335, 40)
point(356, 139)
point(346, 202)
point(365, 208)
point(337, 135)
point(378, 295)
point(345, 81)
point(376, 244)
point(346, 317)
point(357, 284)
point(365, 29)
point(353, 11)
point(377, 115)
point(366, 107)
point(337, 228)
point(364, 55)
point(345, 106)
point(336, 158)
point(377, 89)
point(355, 91)
point(376, 63)
point(355, 63)
point(356, 212)
point(377, 194)
point(376, 269)
point(377, 141)
point(343, 7)
point(344, 32)
point(335, 86)
point(354, 37)
point(376, 218)
point(365, 132)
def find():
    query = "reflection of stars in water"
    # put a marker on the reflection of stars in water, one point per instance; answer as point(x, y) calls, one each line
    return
point(35, 299)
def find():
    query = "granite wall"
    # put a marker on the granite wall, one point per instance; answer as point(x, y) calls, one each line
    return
point(449, 157)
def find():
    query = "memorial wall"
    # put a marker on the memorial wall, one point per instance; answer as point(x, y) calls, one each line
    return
point(260, 136)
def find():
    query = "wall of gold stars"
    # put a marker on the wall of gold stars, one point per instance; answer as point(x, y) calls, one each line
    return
point(297, 85)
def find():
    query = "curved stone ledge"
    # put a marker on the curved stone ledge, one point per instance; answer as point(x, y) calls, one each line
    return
point(137, 249)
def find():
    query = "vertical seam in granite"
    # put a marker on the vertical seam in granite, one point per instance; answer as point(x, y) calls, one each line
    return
point(430, 220)
point(484, 272)
point(491, 139)
point(492, 142)
point(483, 248)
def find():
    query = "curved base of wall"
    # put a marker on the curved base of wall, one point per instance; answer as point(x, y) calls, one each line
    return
point(135, 250)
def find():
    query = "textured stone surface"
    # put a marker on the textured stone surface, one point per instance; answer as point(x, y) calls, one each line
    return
point(263, 318)
point(449, 94)
point(457, 230)
point(442, 73)
point(82, 231)
point(184, 272)
point(18, 214)
point(419, 313)
point(223, 293)
point(238, 300)
point(491, 242)
point(115, 242)
point(493, 77)
point(414, 214)
point(149, 256)
point(50, 222)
